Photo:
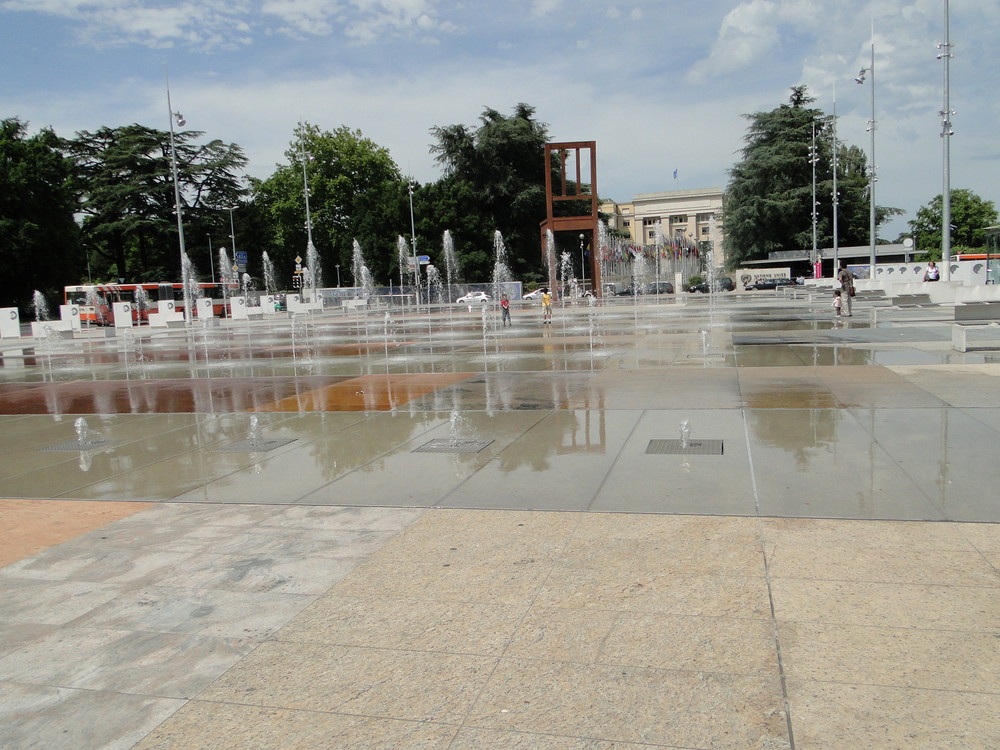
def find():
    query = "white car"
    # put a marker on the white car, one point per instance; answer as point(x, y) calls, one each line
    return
point(537, 294)
point(474, 297)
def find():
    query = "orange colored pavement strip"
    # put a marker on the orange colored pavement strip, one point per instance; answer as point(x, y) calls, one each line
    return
point(29, 526)
point(367, 392)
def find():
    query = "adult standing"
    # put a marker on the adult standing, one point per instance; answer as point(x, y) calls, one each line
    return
point(846, 279)
point(933, 273)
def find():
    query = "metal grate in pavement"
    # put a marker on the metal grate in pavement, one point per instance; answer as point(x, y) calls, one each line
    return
point(75, 445)
point(445, 445)
point(253, 446)
point(677, 448)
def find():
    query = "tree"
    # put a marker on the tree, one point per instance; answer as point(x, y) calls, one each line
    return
point(497, 171)
point(126, 178)
point(39, 238)
point(769, 196)
point(970, 215)
point(356, 192)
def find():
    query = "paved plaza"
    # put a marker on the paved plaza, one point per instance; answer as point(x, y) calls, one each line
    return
point(683, 522)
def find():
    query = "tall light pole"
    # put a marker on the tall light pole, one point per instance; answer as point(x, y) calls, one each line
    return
point(813, 159)
point(413, 245)
point(181, 122)
point(872, 171)
point(836, 193)
point(583, 266)
point(305, 192)
point(232, 236)
point(946, 134)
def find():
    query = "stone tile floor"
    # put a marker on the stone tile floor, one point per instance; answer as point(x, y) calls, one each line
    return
point(831, 581)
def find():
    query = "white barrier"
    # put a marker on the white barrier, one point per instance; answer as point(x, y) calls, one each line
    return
point(166, 316)
point(10, 323)
point(122, 312)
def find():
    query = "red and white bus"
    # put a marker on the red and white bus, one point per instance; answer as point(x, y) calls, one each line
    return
point(95, 300)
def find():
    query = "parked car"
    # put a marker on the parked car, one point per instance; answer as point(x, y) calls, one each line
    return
point(536, 294)
point(770, 284)
point(722, 284)
point(473, 297)
point(660, 287)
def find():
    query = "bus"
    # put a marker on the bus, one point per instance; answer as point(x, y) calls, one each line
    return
point(95, 300)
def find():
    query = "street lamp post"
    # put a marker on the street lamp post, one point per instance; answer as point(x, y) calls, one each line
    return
point(181, 122)
point(583, 265)
point(836, 193)
point(946, 133)
point(413, 245)
point(813, 159)
point(872, 170)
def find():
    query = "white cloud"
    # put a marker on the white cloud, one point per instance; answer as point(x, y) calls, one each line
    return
point(747, 33)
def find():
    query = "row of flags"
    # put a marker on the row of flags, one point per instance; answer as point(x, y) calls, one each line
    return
point(671, 248)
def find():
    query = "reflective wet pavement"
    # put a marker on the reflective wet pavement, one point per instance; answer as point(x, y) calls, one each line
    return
point(813, 583)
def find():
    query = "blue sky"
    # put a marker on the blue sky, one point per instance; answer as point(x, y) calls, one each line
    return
point(660, 85)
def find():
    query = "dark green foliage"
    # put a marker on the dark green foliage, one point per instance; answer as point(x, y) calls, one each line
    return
point(496, 174)
point(768, 205)
point(970, 215)
point(39, 239)
point(129, 222)
point(356, 192)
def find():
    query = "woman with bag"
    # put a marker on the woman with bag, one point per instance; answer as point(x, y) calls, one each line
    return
point(846, 279)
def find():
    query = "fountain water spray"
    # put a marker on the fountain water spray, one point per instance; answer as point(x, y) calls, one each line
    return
point(316, 271)
point(501, 268)
point(270, 282)
point(40, 305)
point(189, 283)
point(550, 258)
point(227, 277)
point(685, 428)
point(433, 285)
point(254, 432)
point(450, 261)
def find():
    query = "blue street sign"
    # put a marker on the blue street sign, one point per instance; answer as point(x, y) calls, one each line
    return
point(241, 257)
point(424, 258)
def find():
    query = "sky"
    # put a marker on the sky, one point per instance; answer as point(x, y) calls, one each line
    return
point(660, 85)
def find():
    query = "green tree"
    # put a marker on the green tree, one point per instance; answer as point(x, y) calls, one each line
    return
point(970, 215)
point(126, 178)
point(39, 238)
point(496, 172)
point(769, 195)
point(356, 192)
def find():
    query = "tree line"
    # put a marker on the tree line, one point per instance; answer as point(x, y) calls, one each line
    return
point(100, 205)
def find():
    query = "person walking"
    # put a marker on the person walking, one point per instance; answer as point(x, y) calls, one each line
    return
point(546, 306)
point(846, 279)
point(504, 310)
point(838, 302)
point(933, 273)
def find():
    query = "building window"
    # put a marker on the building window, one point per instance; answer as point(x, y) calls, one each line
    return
point(678, 220)
point(651, 222)
point(705, 218)
point(706, 231)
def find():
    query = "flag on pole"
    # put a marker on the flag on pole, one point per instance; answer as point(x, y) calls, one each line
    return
point(675, 174)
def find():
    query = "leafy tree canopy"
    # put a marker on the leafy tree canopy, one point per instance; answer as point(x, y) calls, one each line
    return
point(356, 192)
point(125, 176)
point(970, 215)
point(768, 204)
point(39, 239)
point(496, 172)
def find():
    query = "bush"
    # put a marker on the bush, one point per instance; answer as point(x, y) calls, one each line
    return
point(695, 280)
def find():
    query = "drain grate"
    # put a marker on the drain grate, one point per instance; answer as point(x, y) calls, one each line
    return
point(73, 446)
point(677, 448)
point(445, 445)
point(253, 446)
